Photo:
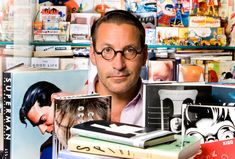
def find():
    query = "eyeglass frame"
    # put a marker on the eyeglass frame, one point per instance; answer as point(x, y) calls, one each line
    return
point(118, 51)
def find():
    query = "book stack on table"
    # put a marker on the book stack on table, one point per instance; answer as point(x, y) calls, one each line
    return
point(102, 139)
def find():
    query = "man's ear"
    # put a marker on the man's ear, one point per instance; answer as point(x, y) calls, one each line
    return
point(92, 55)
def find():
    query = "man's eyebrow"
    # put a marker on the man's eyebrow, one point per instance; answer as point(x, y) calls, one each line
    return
point(39, 122)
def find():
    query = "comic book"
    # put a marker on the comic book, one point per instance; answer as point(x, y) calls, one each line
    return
point(24, 87)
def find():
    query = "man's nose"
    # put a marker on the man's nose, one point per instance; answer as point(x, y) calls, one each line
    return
point(118, 61)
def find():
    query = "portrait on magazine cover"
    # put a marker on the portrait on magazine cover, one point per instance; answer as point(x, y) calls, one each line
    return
point(210, 123)
point(38, 110)
point(69, 112)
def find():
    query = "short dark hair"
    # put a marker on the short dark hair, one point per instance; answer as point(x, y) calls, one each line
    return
point(119, 17)
point(40, 92)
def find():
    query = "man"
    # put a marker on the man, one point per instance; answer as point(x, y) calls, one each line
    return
point(119, 51)
point(37, 109)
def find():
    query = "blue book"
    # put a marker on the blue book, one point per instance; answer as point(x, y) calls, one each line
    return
point(21, 141)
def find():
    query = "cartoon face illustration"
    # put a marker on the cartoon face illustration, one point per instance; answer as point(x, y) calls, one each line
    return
point(210, 123)
point(166, 7)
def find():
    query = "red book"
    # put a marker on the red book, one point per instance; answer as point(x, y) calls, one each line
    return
point(219, 149)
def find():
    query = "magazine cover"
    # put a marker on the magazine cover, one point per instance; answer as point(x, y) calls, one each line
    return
point(28, 115)
point(163, 102)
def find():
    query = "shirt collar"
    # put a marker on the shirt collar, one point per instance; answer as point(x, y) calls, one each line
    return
point(134, 101)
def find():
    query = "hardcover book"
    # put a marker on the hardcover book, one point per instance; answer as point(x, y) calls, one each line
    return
point(209, 122)
point(21, 141)
point(161, 70)
point(122, 133)
point(191, 73)
point(214, 124)
point(163, 102)
point(182, 148)
point(76, 109)
point(217, 149)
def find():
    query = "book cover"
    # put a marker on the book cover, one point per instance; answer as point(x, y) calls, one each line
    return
point(80, 32)
point(21, 141)
point(218, 149)
point(227, 71)
point(170, 12)
point(209, 122)
point(52, 63)
point(71, 110)
point(81, 63)
point(140, 6)
point(166, 35)
point(122, 133)
point(212, 71)
point(182, 148)
point(52, 13)
point(163, 102)
point(148, 19)
point(191, 73)
point(161, 70)
point(223, 93)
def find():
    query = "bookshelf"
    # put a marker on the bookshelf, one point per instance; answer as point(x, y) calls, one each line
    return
point(150, 46)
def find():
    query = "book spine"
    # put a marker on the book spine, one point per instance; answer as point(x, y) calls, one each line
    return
point(52, 48)
point(7, 115)
point(103, 136)
point(57, 53)
point(90, 146)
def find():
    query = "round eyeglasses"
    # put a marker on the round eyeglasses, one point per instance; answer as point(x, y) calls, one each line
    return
point(128, 52)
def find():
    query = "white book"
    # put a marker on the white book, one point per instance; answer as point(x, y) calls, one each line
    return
point(53, 48)
point(52, 63)
point(127, 134)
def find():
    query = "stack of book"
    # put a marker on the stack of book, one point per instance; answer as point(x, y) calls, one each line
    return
point(102, 139)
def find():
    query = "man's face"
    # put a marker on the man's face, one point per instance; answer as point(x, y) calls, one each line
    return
point(42, 117)
point(119, 75)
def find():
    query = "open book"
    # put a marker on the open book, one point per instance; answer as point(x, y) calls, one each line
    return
point(122, 133)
